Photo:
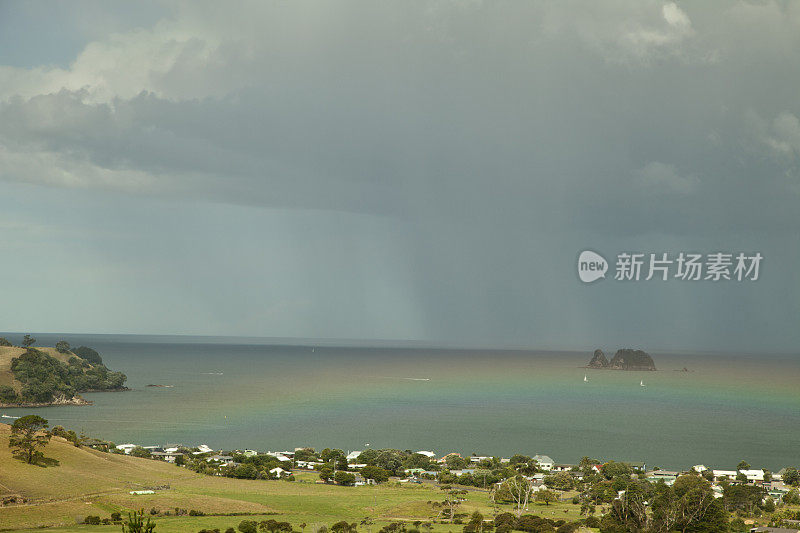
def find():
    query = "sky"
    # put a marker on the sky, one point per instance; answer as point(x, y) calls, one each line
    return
point(424, 171)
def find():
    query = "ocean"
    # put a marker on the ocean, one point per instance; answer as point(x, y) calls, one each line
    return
point(244, 393)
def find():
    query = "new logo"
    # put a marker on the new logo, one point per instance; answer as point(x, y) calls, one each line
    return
point(591, 266)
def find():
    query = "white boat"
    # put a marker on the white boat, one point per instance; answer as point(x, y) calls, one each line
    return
point(641, 383)
point(585, 379)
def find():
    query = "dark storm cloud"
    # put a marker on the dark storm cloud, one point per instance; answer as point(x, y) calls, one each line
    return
point(490, 142)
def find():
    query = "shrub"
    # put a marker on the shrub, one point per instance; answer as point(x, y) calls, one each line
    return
point(92, 520)
point(248, 526)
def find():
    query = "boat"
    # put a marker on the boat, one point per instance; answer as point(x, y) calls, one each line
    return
point(641, 383)
point(585, 379)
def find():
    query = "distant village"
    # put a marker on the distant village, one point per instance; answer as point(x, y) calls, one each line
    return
point(453, 467)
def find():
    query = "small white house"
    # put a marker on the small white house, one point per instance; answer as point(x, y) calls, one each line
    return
point(753, 476)
point(426, 453)
point(699, 468)
point(545, 462)
point(719, 475)
point(126, 448)
point(280, 472)
point(204, 449)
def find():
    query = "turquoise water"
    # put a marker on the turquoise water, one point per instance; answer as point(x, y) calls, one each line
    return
point(236, 395)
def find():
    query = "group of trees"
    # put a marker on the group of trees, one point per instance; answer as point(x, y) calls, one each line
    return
point(45, 379)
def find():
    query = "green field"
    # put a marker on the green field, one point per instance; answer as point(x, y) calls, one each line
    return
point(88, 482)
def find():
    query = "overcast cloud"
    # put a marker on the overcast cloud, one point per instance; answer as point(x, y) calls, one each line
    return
point(399, 170)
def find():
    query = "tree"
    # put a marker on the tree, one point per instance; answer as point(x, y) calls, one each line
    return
point(326, 473)
point(4, 342)
point(791, 476)
point(28, 341)
point(376, 473)
point(546, 496)
point(792, 497)
point(518, 490)
point(504, 522)
point(248, 526)
point(344, 527)
point(743, 465)
point(560, 481)
point(8, 394)
point(62, 346)
point(613, 469)
point(137, 524)
point(344, 478)
point(140, 452)
point(28, 435)
point(88, 354)
point(475, 524)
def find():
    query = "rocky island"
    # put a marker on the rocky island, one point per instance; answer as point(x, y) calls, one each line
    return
point(624, 359)
point(41, 377)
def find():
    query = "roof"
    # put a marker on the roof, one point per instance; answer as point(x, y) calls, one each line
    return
point(542, 459)
point(426, 453)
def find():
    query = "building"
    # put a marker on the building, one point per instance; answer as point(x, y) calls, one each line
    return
point(544, 461)
point(352, 456)
point(753, 476)
point(426, 453)
point(280, 472)
point(169, 457)
point(126, 448)
point(719, 475)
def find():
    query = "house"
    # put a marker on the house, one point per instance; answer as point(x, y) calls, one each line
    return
point(250, 453)
point(667, 476)
point(444, 458)
point(719, 475)
point(169, 457)
point(279, 456)
point(414, 471)
point(773, 530)
point(126, 448)
point(203, 449)
point(479, 458)
point(699, 468)
point(352, 456)
point(426, 453)
point(280, 472)
point(224, 459)
point(308, 465)
point(545, 462)
point(753, 476)
point(562, 468)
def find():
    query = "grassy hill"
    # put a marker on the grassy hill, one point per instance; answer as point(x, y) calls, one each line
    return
point(89, 482)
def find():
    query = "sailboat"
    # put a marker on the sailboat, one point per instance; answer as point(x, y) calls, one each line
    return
point(641, 383)
point(585, 379)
